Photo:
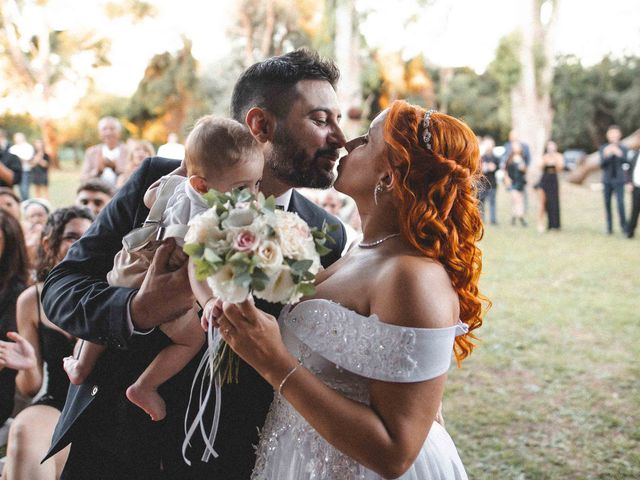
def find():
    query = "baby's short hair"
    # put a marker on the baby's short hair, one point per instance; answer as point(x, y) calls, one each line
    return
point(216, 142)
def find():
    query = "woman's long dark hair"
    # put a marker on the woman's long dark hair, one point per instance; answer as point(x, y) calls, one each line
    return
point(13, 260)
point(53, 230)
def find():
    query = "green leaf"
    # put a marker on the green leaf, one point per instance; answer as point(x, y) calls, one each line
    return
point(193, 249)
point(270, 203)
point(306, 289)
point(211, 256)
point(301, 266)
point(322, 250)
point(244, 279)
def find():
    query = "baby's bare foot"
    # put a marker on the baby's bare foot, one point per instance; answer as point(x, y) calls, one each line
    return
point(148, 400)
point(76, 370)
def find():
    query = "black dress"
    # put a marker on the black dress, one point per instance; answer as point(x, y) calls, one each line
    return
point(8, 300)
point(549, 184)
point(54, 346)
point(40, 174)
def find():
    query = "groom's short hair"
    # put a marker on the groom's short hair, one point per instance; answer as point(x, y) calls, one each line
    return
point(269, 84)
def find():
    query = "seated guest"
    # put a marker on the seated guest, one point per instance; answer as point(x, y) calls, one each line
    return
point(10, 202)
point(108, 159)
point(138, 151)
point(94, 195)
point(35, 212)
point(14, 278)
point(39, 342)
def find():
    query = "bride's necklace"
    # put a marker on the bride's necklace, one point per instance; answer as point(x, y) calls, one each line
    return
point(375, 243)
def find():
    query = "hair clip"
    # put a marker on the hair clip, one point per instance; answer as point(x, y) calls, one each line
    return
point(426, 135)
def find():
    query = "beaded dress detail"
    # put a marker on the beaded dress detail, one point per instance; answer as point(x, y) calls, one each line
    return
point(345, 349)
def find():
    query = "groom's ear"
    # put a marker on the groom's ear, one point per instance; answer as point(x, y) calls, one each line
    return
point(261, 124)
point(198, 183)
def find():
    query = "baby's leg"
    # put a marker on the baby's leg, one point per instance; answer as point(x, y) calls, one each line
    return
point(187, 337)
point(78, 369)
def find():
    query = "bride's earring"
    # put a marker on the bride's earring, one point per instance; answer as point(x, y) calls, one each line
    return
point(379, 189)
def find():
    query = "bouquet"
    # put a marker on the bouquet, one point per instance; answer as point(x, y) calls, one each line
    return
point(243, 245)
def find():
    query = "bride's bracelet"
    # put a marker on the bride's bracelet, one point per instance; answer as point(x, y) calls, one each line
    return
point(286, 377)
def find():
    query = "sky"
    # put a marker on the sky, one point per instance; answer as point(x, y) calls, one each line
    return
point(447, 32)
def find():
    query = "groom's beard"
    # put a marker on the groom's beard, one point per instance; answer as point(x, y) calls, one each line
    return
point(292, 165)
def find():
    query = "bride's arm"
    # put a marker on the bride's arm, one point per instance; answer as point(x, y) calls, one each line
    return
point(387, 435)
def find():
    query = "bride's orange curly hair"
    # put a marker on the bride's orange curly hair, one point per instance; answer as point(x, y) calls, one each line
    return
point(437, 201)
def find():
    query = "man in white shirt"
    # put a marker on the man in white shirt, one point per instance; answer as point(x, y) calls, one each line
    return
point(108, 159)
point(25, 152)
point(172, 149)
point(635, 197)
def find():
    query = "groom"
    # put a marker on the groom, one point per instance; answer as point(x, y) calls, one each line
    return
point(290, 106)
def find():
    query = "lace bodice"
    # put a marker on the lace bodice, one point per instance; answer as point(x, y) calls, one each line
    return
point(344, 349)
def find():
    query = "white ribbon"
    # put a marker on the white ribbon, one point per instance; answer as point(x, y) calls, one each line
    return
point(207, 380)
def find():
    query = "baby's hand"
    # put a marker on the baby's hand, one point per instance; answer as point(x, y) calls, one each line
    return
point(212, 310)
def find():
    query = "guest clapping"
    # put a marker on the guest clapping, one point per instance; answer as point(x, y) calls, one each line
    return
point(14, 279)
point(40, 342)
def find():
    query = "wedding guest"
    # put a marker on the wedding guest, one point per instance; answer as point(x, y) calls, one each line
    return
point(13, 280)
point(35, 213)
point(635, 196)
point(94, 194)
point(548, 192)
point(37, 343)
point(525, 152)
point(25, 152)
point(10, 166)
point(110, 437)
point(331, 201)
point(138, 151)
point(613, 157)
point(40, 170)
point(515, 178)
point(9, 202)
point(108, 159)
point(490, 165)
point(172, 149)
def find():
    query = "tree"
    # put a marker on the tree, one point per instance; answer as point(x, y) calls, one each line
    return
point(531, 113)
point(39, 60)
point(164, 96)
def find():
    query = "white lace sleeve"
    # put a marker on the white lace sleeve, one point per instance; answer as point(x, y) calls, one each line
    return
point(369, 347)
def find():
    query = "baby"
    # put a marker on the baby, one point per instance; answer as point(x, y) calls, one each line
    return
point(220, 154)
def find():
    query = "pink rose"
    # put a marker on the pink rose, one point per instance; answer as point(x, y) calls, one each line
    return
point(245, 240)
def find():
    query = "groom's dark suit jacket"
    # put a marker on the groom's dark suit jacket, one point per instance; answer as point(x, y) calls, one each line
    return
point(107, 432)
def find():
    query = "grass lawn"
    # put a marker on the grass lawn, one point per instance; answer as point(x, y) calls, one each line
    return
point(553, 389)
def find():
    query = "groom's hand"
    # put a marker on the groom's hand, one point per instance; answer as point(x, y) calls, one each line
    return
point(165, 293)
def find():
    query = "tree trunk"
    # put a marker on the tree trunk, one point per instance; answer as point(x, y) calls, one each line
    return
point(591, 163)
point(531, 113)
point(347, 54)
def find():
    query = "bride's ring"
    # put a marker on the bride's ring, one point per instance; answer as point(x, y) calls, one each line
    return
point(226, 331)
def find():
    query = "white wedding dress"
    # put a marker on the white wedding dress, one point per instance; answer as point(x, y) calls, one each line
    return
point(345, 349)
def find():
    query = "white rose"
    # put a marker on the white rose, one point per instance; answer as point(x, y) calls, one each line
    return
point(280, 289)
point(293, 233)
point(270, 257)
point(223, 286)
point(203, 228)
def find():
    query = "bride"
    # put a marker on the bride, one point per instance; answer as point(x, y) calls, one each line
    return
point(360, 369)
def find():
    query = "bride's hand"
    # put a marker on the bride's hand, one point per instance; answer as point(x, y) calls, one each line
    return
point(255, 336)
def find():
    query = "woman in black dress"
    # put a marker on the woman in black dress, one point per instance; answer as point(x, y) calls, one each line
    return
point(40, 170)
point(38, 343)
point(552, 164)
point(515, 178)
point(13, 280)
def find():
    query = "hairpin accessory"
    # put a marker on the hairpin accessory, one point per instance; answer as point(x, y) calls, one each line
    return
point(426, 134)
